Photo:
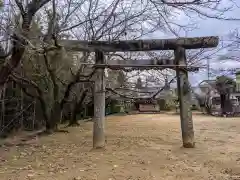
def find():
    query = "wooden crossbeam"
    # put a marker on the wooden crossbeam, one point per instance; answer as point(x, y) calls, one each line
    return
point(130, 62)
point(144, 64)
point(140, 45)
point(132, 67)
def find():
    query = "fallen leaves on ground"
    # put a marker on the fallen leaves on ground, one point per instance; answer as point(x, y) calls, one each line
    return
point(139, 147)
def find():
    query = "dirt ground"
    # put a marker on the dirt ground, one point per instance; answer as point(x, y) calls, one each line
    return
point(139, 147)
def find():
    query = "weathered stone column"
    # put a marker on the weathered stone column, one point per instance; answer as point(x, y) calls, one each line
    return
point(184, 95)
point(99, 104)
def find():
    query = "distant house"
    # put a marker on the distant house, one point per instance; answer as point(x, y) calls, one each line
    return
point(209, 87)
point(150, 91)
point(212, 97)
point(159, 100)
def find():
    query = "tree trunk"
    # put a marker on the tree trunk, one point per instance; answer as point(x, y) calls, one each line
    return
point(184, 95)
point(51, 123)
point(54, 118)
point(50, 127)
point(73, 119)
point(77, 106)
point(223, 104)
point(208, 109)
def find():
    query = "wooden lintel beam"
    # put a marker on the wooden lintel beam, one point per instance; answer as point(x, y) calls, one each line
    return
point(143, 64)
point(141, 45)
point(133, 67)
point(152, 61)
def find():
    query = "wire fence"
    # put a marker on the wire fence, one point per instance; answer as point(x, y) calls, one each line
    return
point(17, 114)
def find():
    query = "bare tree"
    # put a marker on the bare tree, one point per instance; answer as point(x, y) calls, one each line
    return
point(19, 39)
point(85, 20)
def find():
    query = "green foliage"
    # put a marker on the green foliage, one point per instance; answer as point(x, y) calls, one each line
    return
point(225, 84)
point(167, 105)
point(129, 106)
point(115, 106)
point(194, 108)
point(170, 104)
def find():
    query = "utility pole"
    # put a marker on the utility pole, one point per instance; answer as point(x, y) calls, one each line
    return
point(208, 68)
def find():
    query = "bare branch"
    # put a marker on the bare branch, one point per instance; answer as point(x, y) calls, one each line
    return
point(21, 8)
point(34, 6)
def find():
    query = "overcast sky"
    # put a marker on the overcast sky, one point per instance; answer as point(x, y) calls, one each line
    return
point(209, 27)
point(213, 27)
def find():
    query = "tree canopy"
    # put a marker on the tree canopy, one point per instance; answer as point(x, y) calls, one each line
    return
point(225, 84)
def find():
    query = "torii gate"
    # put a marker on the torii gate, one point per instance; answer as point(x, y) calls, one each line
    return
point(178, 45)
